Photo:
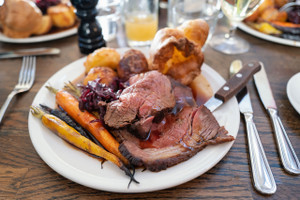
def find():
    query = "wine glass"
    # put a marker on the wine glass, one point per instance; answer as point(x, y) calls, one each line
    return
point(235, 11)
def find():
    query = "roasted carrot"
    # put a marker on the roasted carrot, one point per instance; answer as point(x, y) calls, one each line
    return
point(72, 136)
point(73, 89)
point(66, 118)
point(88, 121)
point(61, 114)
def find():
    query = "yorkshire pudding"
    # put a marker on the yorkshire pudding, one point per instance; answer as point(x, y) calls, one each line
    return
point(174, 54)
point(195, 31)
point(21, 18)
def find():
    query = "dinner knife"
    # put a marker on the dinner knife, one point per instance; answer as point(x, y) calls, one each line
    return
point(29, 52)
point(263, 178)
point(233, 85)
point(287, 154)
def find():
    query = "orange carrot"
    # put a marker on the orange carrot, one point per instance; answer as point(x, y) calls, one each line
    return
point(88, 121)
point(72, 136)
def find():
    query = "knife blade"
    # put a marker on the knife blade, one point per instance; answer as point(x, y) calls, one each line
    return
point(29, 52)
point(287, 153)
point(262, 176)
point(232, 86)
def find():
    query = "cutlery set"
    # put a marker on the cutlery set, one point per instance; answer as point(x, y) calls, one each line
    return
point(261, 173)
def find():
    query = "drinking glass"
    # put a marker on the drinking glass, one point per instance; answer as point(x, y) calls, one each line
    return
point(235, 11)
point(141, 21)
point(109, 17)
point(180, 11)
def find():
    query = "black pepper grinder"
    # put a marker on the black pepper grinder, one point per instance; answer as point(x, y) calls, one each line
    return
point(89, 31)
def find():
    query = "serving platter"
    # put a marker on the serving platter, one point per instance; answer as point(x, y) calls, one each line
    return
point(244, 27)
point(77, 166)
point(40, 38)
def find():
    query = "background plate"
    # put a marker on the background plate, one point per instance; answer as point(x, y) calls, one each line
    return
point(83, 169)
point(270, 38)
point(41, 38)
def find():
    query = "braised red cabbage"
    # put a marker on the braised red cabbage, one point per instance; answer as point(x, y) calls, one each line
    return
point(95, 95)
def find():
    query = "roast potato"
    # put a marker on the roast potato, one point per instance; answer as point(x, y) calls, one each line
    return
point(133, 62)
point(201, 89)
point(62, 15)
point(103, 57)
point(106, 75)
point(273, 14)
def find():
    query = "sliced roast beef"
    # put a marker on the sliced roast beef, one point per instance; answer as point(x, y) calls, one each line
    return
point(183, 96)
point(148, 94)
point(175, 140)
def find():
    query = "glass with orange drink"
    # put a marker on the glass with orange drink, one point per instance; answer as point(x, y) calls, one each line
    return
point(141, 21)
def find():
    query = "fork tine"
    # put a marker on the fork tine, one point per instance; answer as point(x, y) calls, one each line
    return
point(23, 70)
point(28, 69)
point(32, 71)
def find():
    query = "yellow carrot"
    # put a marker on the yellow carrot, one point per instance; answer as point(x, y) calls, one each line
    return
point(72, 136)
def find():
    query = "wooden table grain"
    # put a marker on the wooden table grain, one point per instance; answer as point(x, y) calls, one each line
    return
point(24, 175)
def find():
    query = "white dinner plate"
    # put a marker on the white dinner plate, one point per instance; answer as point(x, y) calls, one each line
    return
point(77, 166)
point(40, 38)
point(292, 89)
point(270, 38)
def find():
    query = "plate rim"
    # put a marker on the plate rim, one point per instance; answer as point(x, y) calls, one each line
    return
point(244, 27)
point(39, 38)
point(289, 91)
point(60, 164)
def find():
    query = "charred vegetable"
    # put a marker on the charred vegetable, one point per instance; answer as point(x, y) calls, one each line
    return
point(88, 121)
point(66, 118)
point(69, 134)
point(287, 27)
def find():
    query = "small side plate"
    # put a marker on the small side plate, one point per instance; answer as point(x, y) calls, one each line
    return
point(292, 89)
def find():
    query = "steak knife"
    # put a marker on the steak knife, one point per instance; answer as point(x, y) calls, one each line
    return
point(232, 86)
point(29, 52)
point(262, 175)
point(287, 154)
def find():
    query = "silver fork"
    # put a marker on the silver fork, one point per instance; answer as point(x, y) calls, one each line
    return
point(25, 82)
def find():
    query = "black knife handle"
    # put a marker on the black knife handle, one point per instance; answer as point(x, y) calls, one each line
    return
point(237, 81)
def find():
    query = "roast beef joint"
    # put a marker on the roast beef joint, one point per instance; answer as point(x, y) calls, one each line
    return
point(158, 123)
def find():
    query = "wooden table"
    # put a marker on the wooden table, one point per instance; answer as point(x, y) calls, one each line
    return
point(24, 175)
